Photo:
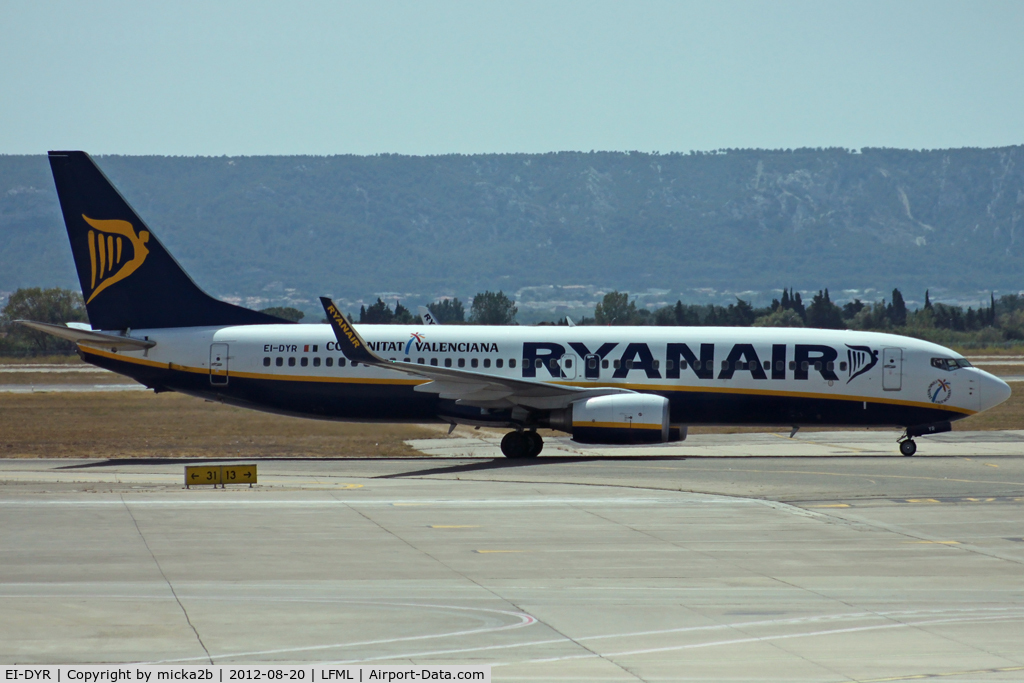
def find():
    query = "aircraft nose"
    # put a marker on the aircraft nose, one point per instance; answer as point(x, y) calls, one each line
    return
point(993, 391)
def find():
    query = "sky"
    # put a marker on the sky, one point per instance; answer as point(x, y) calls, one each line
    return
point(322, 78)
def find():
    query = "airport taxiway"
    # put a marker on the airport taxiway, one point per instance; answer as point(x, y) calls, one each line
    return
point(601, 567)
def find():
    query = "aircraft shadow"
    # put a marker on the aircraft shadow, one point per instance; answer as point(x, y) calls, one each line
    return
point(505, 463)
point(496, 463)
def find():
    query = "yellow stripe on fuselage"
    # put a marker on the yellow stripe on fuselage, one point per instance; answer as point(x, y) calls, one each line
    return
point(616, 425)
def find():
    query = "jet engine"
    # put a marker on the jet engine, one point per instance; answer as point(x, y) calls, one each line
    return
point(617, 419)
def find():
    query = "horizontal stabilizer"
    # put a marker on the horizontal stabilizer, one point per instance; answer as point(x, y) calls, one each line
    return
point(89, 337)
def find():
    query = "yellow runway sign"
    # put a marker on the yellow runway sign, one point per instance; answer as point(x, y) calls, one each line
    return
point(238, 474)
point(213, 475)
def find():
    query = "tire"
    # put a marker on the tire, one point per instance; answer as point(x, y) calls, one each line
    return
point(908, 447)
point(516, 445)
point(536, 443)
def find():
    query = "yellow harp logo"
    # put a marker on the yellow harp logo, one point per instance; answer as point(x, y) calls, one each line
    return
point(108, 257)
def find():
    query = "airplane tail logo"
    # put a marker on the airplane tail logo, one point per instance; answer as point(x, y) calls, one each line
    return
point(115, 252)
point(861, 359)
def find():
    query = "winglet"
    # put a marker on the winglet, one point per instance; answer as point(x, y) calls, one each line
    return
point(349, 341)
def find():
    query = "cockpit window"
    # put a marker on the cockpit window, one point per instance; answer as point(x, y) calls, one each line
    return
point(950, 363)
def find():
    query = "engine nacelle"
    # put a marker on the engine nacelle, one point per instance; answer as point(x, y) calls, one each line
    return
point(617, 419)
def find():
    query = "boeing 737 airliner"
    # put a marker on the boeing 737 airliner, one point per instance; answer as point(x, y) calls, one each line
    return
point(601, 385)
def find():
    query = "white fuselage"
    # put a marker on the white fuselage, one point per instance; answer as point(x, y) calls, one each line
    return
point(711, 375)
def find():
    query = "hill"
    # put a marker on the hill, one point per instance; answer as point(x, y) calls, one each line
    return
point(556, 229)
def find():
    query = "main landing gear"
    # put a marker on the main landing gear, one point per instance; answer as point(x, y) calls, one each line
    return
point(522, 445)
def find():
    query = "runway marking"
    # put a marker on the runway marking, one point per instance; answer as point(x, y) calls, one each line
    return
point(958, 500)
point(484, 552)
point(524, 620)
point(920, 677)
point(988, 464)
point(936, 542)
point(454, 526)
point(742, 641)
point(863, 476)
point(689, 646)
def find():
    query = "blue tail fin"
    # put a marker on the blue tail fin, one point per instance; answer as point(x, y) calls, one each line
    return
point(128, 279)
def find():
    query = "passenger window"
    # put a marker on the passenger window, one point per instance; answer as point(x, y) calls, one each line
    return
point(354, 363)
point(629, 365)
point(592, 363)
point(291, 362)
point(304, 361)
point(407, 360)
point(538, 363)
point(279, 361)
point(568, 362)
point(511, 362)
point(657, 364)
point(487, 362)
point(316, 362)
point(498, 363)
point(780, 365)
point(604, 364)
point(831, 365)
point(696, 364)
point(421, 361)
point(433, 361)
point(817, 366)
point(462, 362)
point(804, 366)
point(725, 365)
point(342, 362)
point(767, 365)
point(842, 366)
point(792, 365)
point(266, 362)
point(473, 362)
point(447, 362)
point(329, 361)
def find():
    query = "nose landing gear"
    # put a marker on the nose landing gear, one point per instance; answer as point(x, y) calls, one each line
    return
point(522, 445)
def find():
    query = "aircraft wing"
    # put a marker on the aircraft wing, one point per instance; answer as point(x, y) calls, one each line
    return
point(87, 337)
point(464, 386)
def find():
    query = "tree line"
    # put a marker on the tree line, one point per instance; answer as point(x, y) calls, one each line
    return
point(1001, 321)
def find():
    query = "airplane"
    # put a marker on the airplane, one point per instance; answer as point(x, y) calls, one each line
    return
point(601, 385)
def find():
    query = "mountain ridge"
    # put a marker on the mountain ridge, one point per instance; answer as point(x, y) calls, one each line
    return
point(282, 230)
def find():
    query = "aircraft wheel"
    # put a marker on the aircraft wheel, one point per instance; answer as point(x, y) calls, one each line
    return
point(908, 447)
point(536, 443)
point(517, 445)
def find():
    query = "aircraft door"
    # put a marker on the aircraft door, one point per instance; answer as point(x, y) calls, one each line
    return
point(592, 365)
point(568, 364)
point(219, 364)
point(892, 369)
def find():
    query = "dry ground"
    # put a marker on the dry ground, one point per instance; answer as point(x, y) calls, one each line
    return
point(148, 425)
